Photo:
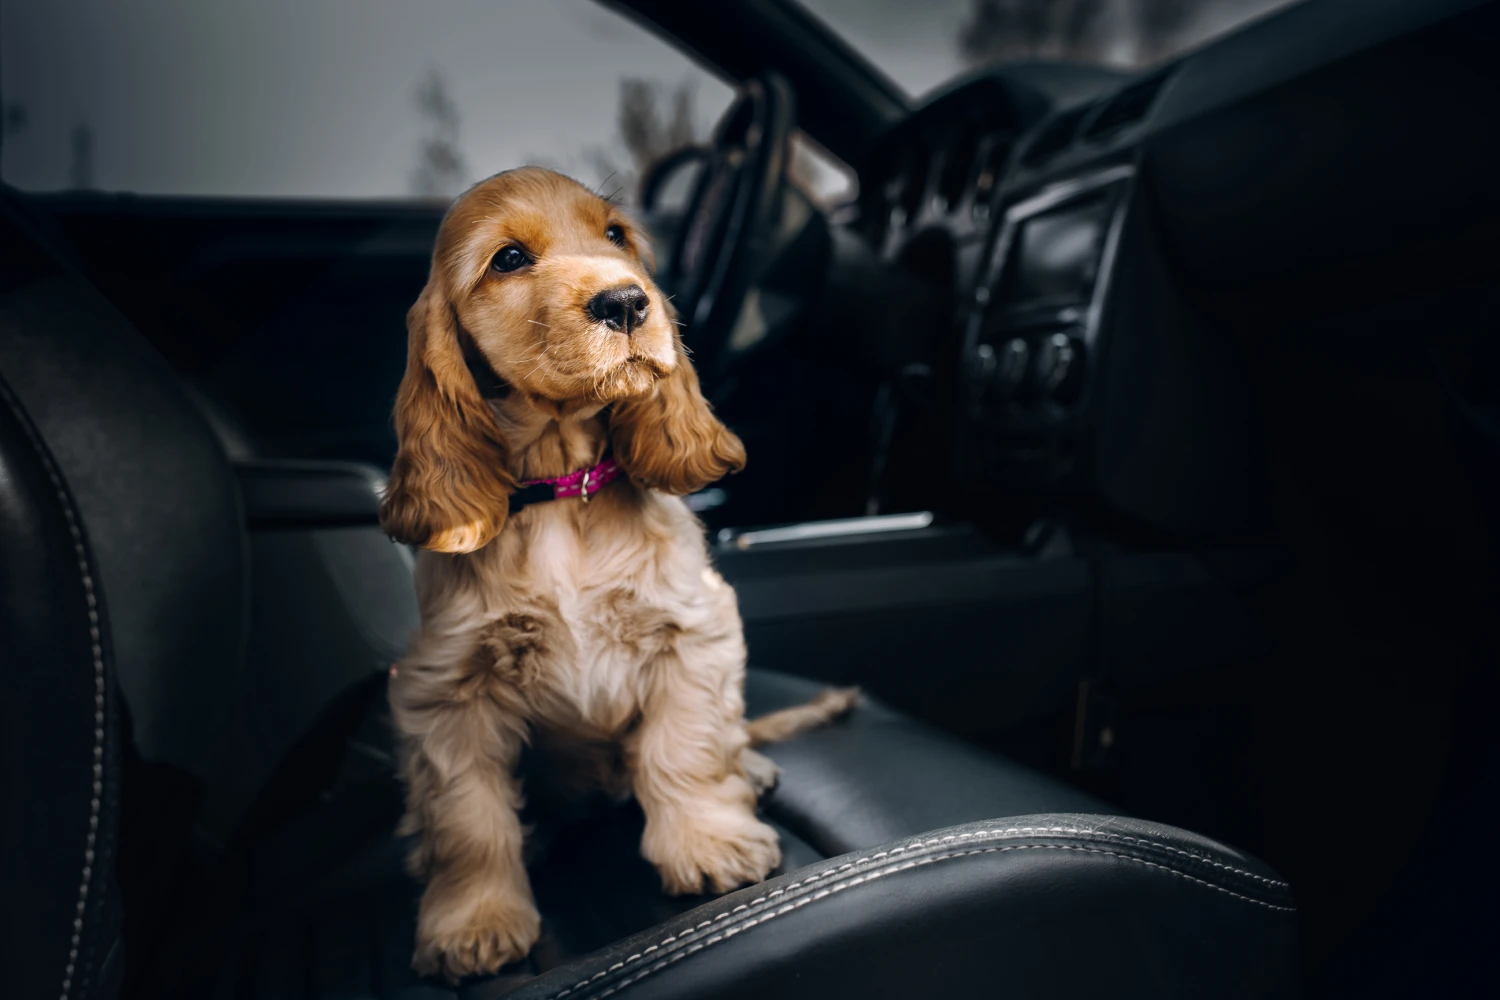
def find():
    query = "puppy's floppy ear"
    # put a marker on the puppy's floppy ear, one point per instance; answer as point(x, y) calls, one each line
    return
point(449, 488)
point(671, 440)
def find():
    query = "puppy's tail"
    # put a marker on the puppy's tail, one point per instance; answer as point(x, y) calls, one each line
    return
point(830, 704)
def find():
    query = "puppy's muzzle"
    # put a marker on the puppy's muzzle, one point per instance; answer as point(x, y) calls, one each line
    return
point(621, 309)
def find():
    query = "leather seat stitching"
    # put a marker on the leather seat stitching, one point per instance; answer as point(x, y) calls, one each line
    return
point(1011, 831)
point(98, 655)
point(1175, 850)
point(1115, 836)
point(867, 877)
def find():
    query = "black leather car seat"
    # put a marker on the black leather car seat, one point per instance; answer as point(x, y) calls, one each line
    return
point(124, 620)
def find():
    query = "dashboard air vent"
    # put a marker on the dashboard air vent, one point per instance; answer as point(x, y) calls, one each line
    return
point(1056, 136)
point(1125, 109)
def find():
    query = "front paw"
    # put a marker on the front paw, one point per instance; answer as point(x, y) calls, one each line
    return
point(760, 770)
point(457, 938)
point(720, 849)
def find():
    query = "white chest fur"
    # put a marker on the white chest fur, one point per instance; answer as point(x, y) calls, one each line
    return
point(611, 586)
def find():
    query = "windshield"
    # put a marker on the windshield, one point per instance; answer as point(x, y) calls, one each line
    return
point(922, 44)
point(335, 99)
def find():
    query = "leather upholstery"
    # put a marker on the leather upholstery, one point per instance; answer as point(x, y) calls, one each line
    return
point(1051, 905)
point(153, 489)
point(590, 881)
point(331, 605)
point(288, 493)
point(59, 733)
point(879, 775)
point(1164, 913)
point(1060, 905)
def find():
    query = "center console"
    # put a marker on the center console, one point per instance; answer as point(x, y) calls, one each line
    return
point(1033, 337)
point(1094, 377)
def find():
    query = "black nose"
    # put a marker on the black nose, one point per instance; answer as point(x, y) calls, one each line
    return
point(620, 308)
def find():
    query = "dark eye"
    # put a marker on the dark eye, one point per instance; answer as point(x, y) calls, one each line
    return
point(509, 259)
point(616, 235)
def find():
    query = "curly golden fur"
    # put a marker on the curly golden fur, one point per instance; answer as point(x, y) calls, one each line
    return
point(598, 631)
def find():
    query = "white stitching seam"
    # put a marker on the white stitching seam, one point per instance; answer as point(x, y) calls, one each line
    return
point(838, 887)
point(98, 654)
point(1093, 833)
point(1195, 856)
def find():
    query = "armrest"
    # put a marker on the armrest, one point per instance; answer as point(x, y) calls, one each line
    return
point(286, 493)
point(1057, 905)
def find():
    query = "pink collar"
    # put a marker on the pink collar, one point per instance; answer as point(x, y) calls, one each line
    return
point(583, 483)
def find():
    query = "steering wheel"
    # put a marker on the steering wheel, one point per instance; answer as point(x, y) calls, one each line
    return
point(721, 245)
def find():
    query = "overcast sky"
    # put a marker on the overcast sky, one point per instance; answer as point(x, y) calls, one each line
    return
point(315, 98)
point(914, 42)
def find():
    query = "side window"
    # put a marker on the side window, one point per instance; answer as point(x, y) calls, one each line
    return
point(334, 99)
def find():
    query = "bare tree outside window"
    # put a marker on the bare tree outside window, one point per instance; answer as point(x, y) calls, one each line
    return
point(441, 170)
point(654, 120)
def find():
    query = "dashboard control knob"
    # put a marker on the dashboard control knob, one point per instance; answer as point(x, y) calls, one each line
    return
point(1010, 366)
point(979, 370)
point(1058, 365)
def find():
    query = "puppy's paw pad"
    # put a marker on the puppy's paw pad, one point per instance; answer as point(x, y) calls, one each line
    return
point(491, 936)
point(718, 859)
point(761, 771)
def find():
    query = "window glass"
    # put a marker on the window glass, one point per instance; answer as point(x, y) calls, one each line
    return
point(337, 98)
point(925, 44)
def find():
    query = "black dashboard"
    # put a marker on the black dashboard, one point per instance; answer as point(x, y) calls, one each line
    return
point(942, 167)
point(1109, 241)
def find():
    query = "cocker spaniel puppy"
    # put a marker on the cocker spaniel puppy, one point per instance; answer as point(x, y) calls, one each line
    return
point(549, 422)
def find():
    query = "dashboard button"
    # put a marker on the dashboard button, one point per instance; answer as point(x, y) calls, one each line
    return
point(979, 370)
point(1059, 368)
point(1010, 367)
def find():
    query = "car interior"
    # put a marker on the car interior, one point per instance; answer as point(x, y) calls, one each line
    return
point(1132, 440)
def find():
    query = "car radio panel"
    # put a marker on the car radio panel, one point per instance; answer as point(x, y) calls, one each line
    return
point(1033, 331)
point(1054, 257)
